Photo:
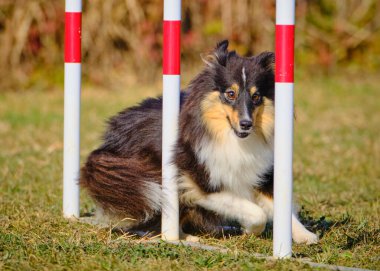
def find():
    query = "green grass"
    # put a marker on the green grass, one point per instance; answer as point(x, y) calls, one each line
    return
point(336, 169)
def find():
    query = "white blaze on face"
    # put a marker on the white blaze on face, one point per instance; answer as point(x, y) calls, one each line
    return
point(246, 114)
point(243, 76)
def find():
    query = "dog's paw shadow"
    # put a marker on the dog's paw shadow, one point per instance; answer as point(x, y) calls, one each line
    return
point(317, 225)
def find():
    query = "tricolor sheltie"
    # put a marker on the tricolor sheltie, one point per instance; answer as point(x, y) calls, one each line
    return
point(224, 153)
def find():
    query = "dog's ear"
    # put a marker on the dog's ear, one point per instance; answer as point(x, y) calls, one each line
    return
point(218, 56)
point(221, 52)
point(266, 60)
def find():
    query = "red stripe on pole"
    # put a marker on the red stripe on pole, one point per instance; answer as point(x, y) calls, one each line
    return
point(285, 53)
point(73, 24)
point(171, 47)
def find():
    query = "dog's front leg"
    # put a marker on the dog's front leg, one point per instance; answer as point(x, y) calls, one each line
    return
point(247, 213)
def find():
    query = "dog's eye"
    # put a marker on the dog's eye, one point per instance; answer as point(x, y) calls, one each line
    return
point(230, 94)
point(256, 98)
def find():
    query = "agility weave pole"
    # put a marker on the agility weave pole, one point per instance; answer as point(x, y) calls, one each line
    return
point(170, 113)
point(71, 141)
point(283, 140)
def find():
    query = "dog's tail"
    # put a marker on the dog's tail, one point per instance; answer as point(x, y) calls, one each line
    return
point(125, 188)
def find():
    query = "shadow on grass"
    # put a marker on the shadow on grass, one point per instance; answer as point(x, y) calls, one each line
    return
point(351, 233)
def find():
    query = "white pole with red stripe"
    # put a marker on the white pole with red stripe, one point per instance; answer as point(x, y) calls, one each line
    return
point(170, 113)
point(71, 141)
point(283, 144)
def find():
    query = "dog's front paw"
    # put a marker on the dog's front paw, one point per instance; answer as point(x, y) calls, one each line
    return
point(256, 225)
point(305, 237)
point(254, 229)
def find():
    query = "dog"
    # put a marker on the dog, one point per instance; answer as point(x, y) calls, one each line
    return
point(223, 154)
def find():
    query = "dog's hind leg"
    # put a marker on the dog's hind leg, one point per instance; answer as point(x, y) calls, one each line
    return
point(126, 189)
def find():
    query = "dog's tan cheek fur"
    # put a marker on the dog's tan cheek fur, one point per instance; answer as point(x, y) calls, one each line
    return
point(264, 118)
point(234, 116)
point(214, 115)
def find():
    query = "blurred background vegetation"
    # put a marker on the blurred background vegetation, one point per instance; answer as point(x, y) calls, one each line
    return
point(122, 39)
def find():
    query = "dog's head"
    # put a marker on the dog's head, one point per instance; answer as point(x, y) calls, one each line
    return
point(241, 94)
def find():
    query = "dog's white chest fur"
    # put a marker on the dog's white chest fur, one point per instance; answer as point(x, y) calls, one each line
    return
point(236, 164)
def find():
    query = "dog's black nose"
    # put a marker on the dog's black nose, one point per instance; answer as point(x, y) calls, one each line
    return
point(245, 124)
